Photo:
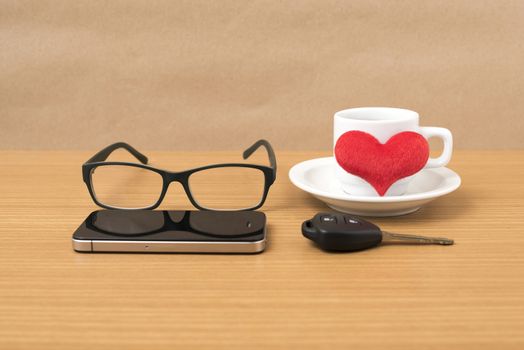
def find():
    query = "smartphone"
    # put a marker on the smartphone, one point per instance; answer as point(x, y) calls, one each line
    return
point(166, 231)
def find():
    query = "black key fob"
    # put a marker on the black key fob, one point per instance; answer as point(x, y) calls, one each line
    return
point(341, 232)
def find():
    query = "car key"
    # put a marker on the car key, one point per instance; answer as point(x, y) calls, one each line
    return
point(346, 233)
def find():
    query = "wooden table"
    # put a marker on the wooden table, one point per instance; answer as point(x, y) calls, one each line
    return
point(466, 296)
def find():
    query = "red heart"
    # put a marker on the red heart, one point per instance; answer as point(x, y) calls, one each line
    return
point(381, 165)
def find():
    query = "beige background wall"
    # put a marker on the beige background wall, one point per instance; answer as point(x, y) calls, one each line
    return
point(220, 74)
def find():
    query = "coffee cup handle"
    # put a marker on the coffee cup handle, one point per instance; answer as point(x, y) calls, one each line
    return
point(447, 138)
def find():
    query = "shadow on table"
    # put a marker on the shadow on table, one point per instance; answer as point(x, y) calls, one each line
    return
point(452, 206)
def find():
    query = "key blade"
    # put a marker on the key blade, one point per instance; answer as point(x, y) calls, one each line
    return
point(397, 237)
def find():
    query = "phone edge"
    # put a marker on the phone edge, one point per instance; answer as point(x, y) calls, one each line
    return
point(107, 246)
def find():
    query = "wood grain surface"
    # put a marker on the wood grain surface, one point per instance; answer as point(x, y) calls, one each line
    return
point(466, 296)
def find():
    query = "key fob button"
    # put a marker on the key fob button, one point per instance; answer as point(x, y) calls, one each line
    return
point(328, 219)
point(352, 220)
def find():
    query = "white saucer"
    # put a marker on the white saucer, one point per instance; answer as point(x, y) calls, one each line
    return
point(316, 176)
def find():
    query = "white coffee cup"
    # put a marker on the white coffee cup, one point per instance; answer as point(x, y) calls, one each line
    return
point(383, 123)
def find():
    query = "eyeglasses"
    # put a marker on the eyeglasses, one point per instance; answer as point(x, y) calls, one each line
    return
point(229, 186)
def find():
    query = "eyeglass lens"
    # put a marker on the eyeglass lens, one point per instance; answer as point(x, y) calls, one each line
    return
point(219, 188)
point(126, 187)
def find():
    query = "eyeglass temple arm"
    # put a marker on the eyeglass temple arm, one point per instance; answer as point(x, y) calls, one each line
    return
point(272, 159)
point(103, 154)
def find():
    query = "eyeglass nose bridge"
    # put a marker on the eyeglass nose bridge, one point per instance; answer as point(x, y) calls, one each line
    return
point(181, 178)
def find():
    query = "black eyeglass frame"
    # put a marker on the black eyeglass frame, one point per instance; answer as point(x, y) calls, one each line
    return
point(181, 177)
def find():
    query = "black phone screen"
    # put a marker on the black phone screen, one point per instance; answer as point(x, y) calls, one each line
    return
point(166, 225)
